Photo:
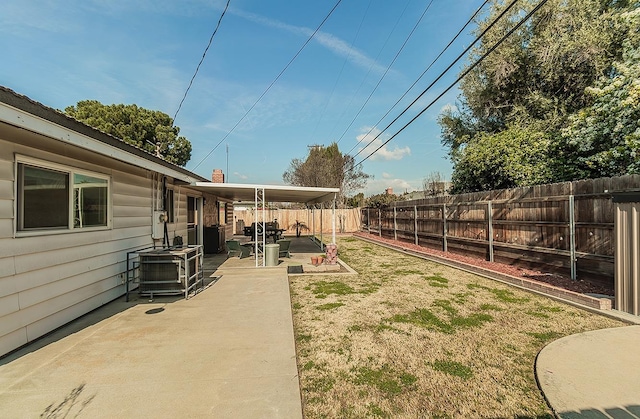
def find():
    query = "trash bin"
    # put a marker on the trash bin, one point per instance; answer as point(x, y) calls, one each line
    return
point(271, 253)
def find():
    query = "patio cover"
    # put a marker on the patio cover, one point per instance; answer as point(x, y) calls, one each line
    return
point(261, 194)
point(272, 193)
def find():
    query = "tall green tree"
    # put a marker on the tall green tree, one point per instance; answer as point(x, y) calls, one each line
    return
point(150, 130)
point(327, 167)
point(533, 83)
point(605, 136)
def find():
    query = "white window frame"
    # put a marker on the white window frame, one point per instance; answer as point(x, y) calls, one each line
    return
point(71, 171)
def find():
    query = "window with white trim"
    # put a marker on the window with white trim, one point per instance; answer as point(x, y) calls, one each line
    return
point(54, 197)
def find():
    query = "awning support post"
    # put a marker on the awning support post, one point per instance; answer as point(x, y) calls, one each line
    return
point(333, 222)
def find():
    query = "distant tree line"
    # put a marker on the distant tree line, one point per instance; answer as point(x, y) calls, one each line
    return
point(559, 100)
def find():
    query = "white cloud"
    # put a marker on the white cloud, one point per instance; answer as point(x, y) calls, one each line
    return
point(327, 40)
point(240, 176)
point(449, 107)
point(369, 144)
point(386, 175)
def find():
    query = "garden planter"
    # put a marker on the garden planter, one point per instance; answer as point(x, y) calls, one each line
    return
point(332, 254)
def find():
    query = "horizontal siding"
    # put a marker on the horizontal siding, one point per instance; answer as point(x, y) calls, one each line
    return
point(45, 325)
point(33, 296)
point(84, 254)
point(6, 170)
point(52, 278)
point(47, 275)
point(38, 244)
point(58, 304)
point(127, 222)
point(131, 190)
point(6, 228)
point(13, 340)
point(131, 211)
point(9, 304)
point(6, 209)
point(6, 189)
point(8, 285)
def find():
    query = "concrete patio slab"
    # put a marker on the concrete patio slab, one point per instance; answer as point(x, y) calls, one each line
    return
point(593, 374)
point(227, 352)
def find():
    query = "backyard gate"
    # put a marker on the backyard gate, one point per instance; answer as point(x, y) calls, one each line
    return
point(627, 255)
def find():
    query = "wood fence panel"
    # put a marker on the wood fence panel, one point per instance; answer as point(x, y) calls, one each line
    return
point(347, 220)
point(532, 226)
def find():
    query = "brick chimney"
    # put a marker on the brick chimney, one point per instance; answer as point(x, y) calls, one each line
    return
point(217, 176)
point(388, 191)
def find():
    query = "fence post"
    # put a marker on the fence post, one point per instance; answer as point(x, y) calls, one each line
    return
point(321, 226)
point(490, 229)
point(368, 221)
point(415, 223)
point(379, 222)
point(395, 222)
point(444, 227)
point(572, 236)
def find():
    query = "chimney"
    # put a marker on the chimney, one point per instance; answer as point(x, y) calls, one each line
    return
point(388, 191)
point(217, 176)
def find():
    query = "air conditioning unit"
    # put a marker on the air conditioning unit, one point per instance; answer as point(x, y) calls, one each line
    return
point(170, 271)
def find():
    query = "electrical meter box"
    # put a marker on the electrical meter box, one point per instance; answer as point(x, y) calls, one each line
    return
point(157, 223)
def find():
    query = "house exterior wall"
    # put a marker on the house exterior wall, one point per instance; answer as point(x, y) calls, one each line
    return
point(49, 279)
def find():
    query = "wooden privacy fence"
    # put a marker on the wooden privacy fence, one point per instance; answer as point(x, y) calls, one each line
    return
point(320, 221)
point(565, 228)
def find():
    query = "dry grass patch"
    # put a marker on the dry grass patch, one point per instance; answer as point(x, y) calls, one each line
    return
point(408, 338)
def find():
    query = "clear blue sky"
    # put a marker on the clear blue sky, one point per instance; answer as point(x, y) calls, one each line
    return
point(145, 52)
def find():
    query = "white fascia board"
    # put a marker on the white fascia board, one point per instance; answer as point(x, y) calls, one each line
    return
point(29, 122)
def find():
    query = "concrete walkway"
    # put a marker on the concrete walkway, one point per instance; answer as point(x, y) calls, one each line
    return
point(593, 374)
point(227, 352)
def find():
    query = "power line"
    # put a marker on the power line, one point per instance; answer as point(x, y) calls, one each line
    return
point(344, 63)
point(421, 76)
point(364, 79)
point(270, 85)
point(201, 60)
point(387, 70)
point(446, 70)
point(464, 73)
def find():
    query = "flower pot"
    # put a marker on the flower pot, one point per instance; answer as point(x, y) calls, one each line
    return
point(314, 260)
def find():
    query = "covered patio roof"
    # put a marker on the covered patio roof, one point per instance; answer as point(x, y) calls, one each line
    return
point(272, 193)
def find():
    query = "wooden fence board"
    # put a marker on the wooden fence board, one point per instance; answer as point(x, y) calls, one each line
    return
point(531, 225)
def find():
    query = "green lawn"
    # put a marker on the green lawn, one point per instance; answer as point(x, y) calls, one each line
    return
point(408, 338)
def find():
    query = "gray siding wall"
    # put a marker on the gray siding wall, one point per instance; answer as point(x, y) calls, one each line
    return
point(49, 280)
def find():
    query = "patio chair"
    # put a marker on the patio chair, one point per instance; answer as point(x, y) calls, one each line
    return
point(284, 248)
point(235, 248)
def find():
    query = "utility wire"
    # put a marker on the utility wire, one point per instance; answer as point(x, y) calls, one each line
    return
point(344, 63)
point(270, 85)
point(446, 70)
point(420, 77)
point(386, 71)
point(364, 79)
point(201, 60)
point(464, 73)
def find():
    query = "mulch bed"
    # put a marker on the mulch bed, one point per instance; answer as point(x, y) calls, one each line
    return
point(579, 286)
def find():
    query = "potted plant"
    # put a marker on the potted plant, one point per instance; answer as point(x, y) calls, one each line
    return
point(299, 225)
